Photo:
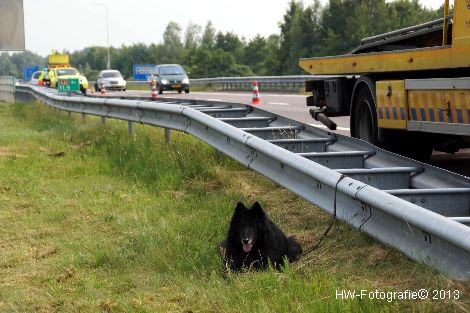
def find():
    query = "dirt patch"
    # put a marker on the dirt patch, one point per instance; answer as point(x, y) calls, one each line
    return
point(45, 252)
point(6, 152)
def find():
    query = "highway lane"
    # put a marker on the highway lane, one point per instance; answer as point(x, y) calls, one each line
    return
point(294, 107)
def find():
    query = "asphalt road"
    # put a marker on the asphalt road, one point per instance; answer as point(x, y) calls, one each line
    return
point(294, 107)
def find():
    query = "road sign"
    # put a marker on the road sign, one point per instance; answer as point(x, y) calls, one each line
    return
point(28, 72)
point(11, 25)
point(68, 85)
point(142, 71)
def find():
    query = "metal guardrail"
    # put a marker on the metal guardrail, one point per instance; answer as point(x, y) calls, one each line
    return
point(419, 209)
point(7, 88)
point(274, 83)
point(271, 83)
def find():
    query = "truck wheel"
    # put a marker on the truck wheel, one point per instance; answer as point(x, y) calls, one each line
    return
point(365, 117)
point(413, 145)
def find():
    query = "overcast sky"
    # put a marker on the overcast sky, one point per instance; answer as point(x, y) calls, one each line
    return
point(74, 25)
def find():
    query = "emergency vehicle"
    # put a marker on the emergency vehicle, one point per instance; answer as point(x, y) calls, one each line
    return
point(407, 90)
point(61, 69)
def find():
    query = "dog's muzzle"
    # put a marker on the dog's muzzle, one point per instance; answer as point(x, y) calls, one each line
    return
point(247, 245)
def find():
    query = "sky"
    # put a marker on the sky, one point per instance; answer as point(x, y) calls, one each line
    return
point(76, 24)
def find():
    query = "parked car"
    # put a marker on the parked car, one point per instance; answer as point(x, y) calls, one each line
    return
point(35, 78)
point(68, 72)
point(112, 80)
point(171, 77)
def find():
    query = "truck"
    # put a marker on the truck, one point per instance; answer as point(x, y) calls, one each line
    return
point(407, 91)
point(61, 68)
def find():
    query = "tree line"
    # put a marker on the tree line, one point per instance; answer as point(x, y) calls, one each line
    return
point(305, 31)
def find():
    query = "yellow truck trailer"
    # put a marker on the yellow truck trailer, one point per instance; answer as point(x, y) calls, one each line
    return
point(406, 90)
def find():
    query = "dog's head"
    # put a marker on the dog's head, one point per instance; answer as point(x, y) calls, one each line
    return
point(247, 225)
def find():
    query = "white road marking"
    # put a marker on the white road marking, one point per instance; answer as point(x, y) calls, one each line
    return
point(214, 100)
point(278, 103)
point(323, 126)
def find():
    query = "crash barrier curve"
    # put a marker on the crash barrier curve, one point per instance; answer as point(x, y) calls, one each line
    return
point(416, 208)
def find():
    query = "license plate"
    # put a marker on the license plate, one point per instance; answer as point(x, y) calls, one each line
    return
point(176, 86)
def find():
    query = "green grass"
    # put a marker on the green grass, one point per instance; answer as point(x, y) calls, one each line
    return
point(95, 220)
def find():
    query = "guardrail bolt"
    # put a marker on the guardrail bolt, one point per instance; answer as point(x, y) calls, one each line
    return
point(427, 237)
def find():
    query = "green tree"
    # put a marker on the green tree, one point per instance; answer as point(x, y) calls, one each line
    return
point(192, 36)
point(208, 36)
point(271, 63)
point(345, 22)
point(13, 65)
point(299, 34)
point(286, 39)
point(229, 42)
point(7, 68)
point(172, 44)
point(255, 54)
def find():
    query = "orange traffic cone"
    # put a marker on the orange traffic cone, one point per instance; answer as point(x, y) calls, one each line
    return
point(103, 89)
point(154, 89)
point(256, 99)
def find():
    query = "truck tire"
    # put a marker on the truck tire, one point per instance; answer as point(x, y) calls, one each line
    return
point(365, 117)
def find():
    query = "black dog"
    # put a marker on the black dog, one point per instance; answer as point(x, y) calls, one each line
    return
point(253, 241)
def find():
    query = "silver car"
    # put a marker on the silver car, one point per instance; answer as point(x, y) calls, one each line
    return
point(112, 80)
point(34, 78)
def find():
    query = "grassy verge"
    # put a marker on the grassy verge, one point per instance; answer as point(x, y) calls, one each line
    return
point(94, 220)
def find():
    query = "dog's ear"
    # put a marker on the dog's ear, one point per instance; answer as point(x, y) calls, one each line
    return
point(258, 210)
point(240, 208)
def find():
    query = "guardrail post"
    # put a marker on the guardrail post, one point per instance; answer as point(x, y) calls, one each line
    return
point(218, 154)
point(69, 114)
point(103, 120)
point(84, 117)
point(130, 127)
point(167, 136)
